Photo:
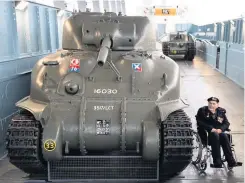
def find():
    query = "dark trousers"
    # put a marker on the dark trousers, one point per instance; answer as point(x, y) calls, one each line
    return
point(215, 140)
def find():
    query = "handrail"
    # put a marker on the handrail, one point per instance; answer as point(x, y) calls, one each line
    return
point(202, 40)
point(208, 42)
point(193, 37)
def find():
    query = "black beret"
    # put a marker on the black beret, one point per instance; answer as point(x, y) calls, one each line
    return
point(213, 99)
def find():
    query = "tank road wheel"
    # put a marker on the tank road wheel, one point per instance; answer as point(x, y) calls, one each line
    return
point(176, 144)
point(24, 139)
point(166, 53)
point(165, 49)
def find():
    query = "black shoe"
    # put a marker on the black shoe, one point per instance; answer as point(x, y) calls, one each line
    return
point(218, 165)
point(232, 163)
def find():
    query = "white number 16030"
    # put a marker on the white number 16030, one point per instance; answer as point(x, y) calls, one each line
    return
point(105, 91)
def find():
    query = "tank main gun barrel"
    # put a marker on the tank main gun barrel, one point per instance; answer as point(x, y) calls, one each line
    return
point(104, 51)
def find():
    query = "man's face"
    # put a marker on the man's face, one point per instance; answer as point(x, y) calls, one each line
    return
point(212, 105)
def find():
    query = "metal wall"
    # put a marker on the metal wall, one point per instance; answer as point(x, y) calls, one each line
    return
point(229, 36)
point(228, 31)
point(26, 36)
point(230, 60)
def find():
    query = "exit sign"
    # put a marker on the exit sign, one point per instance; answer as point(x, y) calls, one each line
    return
point(165, 12)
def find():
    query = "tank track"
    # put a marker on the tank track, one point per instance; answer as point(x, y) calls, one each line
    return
point(191, 52)
point(23, 144)
point(165, 49)
point(177, 144)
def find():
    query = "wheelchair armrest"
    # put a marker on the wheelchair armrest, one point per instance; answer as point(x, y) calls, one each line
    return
point(228, 131)
point(206, 132)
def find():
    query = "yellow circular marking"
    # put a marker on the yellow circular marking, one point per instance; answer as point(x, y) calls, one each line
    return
point(49, 145)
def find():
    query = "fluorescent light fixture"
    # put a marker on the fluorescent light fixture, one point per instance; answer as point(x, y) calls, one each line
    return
point(22, 5)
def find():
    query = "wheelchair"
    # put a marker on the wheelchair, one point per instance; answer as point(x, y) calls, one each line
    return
point(204, 152)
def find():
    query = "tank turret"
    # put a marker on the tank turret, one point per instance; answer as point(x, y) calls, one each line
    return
point(82, 30)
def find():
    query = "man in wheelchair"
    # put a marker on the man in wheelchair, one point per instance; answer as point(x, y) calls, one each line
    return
point(212, 119)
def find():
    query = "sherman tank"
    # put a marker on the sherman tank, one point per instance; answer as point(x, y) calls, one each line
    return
point(106, 106)
point(179, 43)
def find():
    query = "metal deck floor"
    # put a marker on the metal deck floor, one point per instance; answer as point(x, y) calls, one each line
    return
point(199, 81)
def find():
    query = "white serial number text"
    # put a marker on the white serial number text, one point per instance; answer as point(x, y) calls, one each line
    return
point(105, 91)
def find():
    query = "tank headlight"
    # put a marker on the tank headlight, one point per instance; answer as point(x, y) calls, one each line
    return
point(71, 88)
point(181, 44)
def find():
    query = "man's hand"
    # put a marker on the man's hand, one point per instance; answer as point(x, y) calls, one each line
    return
point(216, 130)
point(219, 131)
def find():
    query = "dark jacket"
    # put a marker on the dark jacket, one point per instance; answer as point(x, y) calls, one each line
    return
point(205, 119)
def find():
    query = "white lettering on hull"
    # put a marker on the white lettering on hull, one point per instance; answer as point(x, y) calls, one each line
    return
point(103, 108)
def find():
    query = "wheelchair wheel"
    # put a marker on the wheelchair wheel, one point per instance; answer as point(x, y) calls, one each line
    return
point(229, 168)
point(197, 151)
point(202, 166)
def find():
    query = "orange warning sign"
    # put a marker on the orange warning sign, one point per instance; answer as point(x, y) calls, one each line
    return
point(165, 11)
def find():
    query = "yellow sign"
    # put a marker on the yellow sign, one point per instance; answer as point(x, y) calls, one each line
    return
point(165, 12)
point(49, 145)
